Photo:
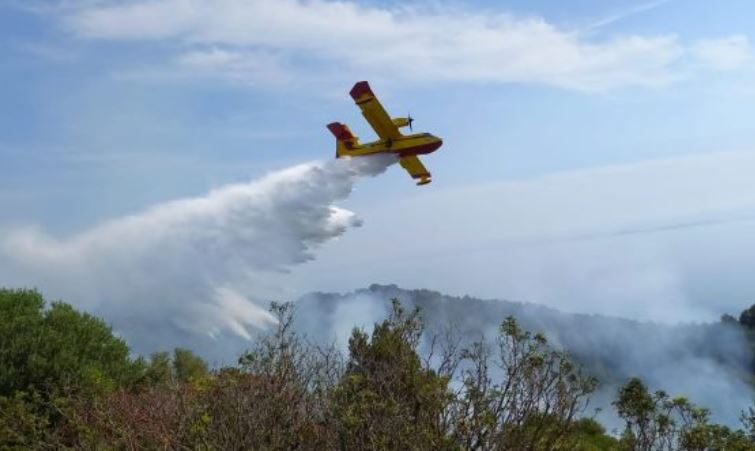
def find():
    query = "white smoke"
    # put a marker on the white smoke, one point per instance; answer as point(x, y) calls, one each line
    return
point(707, 362)
point(191, 266)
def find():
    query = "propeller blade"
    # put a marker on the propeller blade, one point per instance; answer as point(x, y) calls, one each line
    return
point(410, 119)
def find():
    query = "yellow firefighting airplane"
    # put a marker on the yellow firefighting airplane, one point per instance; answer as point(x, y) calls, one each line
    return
point(391, 139)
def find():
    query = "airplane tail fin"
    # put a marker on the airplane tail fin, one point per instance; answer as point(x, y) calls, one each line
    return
point(345, 140)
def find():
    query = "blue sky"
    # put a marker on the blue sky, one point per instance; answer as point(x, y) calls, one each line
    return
point(112, 107)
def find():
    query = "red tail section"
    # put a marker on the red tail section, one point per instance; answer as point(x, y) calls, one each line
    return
point(345, 140)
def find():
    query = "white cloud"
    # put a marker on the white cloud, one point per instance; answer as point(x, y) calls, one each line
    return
point(244, 67)
point(404, 43)
point(191, 265)
point(727, 53)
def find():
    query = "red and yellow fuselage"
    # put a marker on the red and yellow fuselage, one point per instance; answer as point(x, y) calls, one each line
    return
point(415, 144)
point(407, 147)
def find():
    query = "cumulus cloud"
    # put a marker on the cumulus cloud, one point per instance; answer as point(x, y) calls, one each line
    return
point(443, 43)
point(192, 265)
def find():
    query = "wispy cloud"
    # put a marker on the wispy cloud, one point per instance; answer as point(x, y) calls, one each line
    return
point(235, 38)
point(51, 52)
point(728, 53)
point(625, 14)
point(242, 66)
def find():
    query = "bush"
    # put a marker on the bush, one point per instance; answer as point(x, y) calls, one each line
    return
point(57, 350)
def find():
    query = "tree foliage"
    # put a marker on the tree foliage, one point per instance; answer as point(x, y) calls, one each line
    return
point(49, 356)
point(56, 349)
point(657, 421)
point(68, 383)
point(747, 318)
point(386, 399)
point(182, 366)
point(534, 402)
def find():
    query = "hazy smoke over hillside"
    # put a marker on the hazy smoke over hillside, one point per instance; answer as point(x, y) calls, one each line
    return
point(706, 362)
point(190, 267)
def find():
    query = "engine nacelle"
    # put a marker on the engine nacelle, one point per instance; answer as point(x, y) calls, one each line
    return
point(402, 121)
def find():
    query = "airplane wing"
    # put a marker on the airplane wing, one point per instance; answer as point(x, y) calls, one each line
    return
point(373, 111)
point(415, 168)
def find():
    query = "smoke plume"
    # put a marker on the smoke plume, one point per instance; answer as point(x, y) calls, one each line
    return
point(707, 362)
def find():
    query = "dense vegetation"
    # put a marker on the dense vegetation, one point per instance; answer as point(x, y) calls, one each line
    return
point(67, 382)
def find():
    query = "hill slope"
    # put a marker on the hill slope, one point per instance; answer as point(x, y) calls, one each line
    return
point(710, 363)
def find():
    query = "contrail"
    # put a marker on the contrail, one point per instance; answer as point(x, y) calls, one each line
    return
point(621, 15)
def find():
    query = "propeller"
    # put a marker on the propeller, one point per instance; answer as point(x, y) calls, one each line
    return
point(410, 119)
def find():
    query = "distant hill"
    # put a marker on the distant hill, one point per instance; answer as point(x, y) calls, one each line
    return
point(710, 363)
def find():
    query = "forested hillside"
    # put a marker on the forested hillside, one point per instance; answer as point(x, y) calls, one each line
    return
point(712, 362)
point(67, 382)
